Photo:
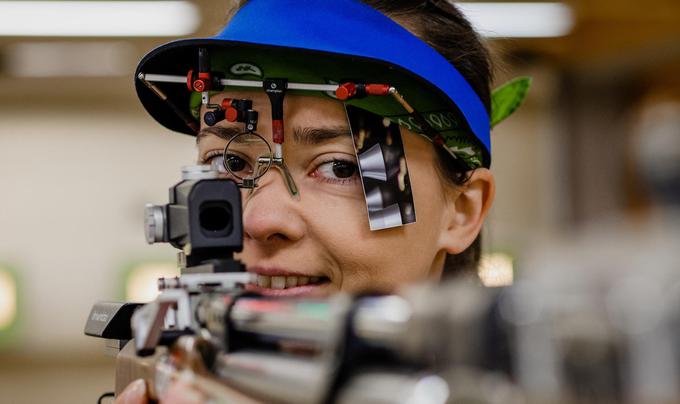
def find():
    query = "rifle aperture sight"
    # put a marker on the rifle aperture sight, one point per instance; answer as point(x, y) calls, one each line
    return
point(202, 218)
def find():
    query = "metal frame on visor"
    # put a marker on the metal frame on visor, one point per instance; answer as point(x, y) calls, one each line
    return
point(378, 145)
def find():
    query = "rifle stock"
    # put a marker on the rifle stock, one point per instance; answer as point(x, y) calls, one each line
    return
point(168, 365)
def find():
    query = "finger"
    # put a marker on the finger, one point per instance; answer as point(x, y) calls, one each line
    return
point(181, 393)
point(134, 393)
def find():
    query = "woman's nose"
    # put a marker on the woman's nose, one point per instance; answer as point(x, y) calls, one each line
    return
point(271, 213)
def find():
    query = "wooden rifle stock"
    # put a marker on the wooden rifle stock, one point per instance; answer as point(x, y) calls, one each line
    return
point(181, 362)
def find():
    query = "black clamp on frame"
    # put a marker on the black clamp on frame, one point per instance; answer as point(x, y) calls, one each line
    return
point(233, 111)
point(276, 91)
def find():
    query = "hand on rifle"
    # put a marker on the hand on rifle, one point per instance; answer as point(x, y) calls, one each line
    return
point(178, 393)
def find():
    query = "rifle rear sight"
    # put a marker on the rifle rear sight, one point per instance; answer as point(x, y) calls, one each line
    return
point(202, 219)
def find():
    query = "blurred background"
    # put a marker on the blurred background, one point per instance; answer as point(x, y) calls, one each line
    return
point(79, 157)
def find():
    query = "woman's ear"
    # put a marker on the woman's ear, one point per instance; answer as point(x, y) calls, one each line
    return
point(467, 207)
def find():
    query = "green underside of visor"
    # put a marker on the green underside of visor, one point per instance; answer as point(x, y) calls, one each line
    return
point(251, 64)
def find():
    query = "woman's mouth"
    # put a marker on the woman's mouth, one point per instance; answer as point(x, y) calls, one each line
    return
point(288, 285)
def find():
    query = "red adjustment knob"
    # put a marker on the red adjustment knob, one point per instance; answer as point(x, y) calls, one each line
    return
point(231, 114)
point(203, 82)
point(377, 89)
point(226, 103)
point(346, 91)
point(200, 85)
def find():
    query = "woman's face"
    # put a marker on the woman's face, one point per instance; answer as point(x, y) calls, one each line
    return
point(320, 242)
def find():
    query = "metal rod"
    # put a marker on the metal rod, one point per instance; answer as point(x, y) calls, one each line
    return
point(166, 78)
point(400, 99)
point(188, 120)
point(312, 87)
point(162, 78)
point(241, 83)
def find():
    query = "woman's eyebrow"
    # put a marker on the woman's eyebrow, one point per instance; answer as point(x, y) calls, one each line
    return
point(314, 136)
point(303, 136)
point(222, 132)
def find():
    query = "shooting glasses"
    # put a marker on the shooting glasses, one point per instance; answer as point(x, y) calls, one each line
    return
point(248, 156)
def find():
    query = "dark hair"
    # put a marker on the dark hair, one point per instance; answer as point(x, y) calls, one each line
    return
point(441, 25)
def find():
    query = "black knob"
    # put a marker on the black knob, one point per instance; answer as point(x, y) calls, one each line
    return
point(211, 118)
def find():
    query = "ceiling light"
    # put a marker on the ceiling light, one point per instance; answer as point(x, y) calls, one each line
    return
point(519, 20)
point(97, 18)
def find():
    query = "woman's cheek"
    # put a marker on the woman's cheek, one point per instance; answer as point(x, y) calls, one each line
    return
point(377, 262)
point(342, 233)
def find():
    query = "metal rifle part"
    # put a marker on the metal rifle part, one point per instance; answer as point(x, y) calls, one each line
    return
point(111, 321)
point(335, 347)
point(156, 217)
point(154, 224)
point(312, 325)
point(148, 323)
point(206, 281)
point(562, 336)
point(391, 333)
point(284, 379)
point(172, 313)
point(202, 219)
point(184, 361)
point(200, 172)
point(383, 386)
point(273, 377)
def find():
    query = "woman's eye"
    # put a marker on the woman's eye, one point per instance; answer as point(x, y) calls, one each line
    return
point(236, 163)
point(338, 169)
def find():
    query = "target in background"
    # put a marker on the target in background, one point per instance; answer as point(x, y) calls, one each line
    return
point(496, 269)
point(9, 303)
point(140, 281)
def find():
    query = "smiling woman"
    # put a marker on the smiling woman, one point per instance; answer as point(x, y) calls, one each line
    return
point(320, 242)
point(359, 132)
point(450, 195)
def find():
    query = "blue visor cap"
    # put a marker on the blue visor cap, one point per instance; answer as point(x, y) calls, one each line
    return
point(330, 42)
